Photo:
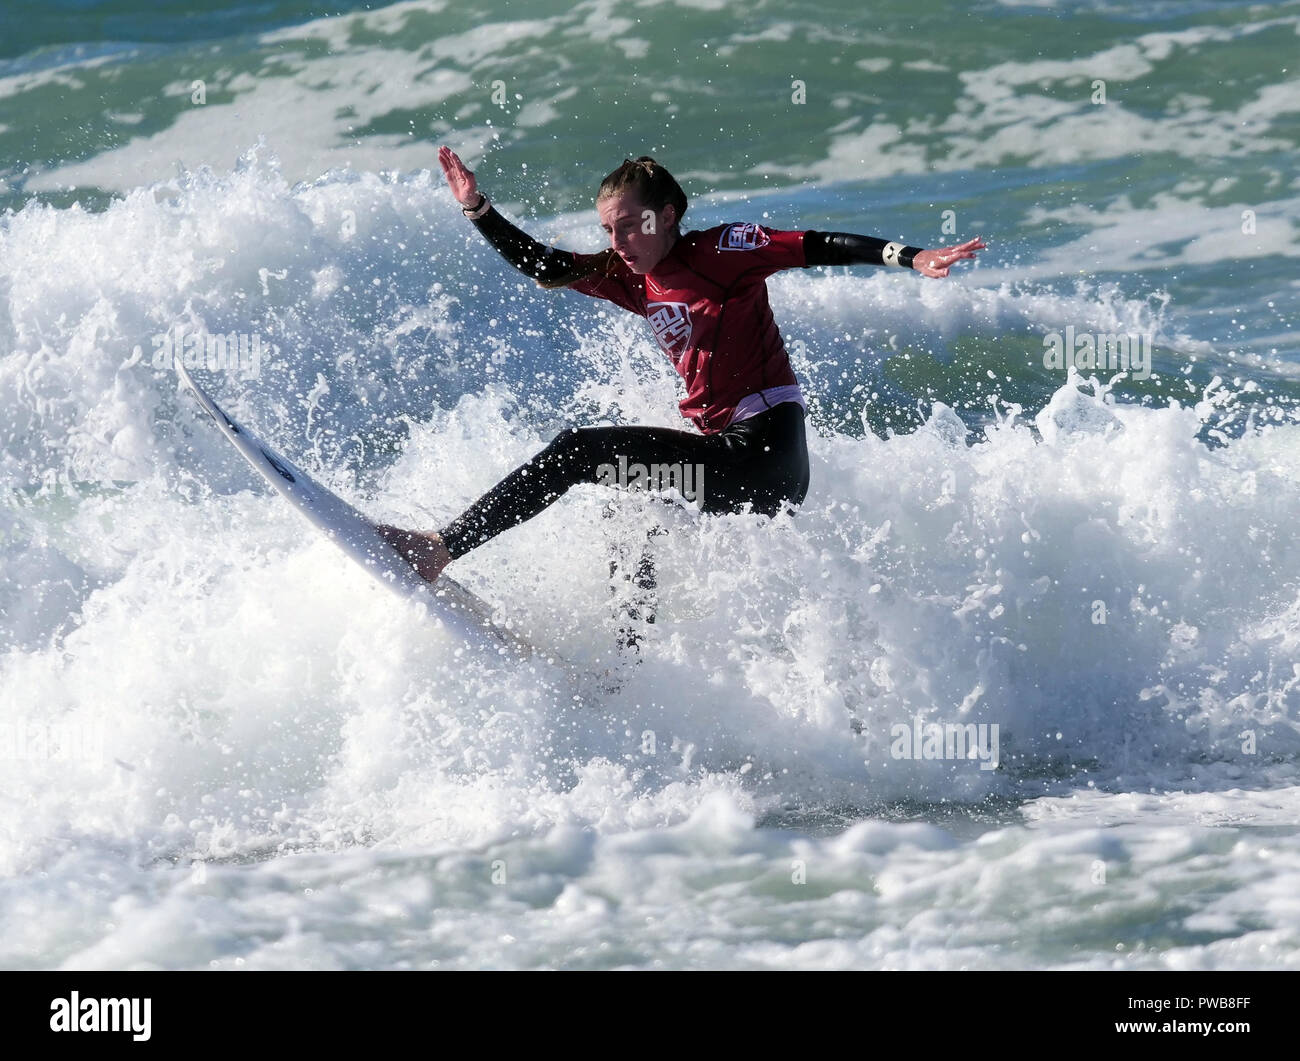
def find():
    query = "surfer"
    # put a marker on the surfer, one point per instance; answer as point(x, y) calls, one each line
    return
point(705, 296)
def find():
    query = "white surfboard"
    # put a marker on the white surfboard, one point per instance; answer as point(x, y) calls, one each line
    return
point(466, 614)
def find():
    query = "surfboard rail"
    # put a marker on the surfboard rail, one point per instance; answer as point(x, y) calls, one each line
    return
point(464, 612)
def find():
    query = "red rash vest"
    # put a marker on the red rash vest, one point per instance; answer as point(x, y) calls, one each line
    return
point(707, 305)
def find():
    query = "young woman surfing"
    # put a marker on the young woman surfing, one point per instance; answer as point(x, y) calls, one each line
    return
point(705, 296)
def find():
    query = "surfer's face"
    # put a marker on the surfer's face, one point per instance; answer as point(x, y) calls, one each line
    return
point(639, 235)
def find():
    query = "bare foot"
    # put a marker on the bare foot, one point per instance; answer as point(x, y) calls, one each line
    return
point(424, 552)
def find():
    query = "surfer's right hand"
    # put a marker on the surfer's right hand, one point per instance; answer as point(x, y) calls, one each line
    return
point(461, 180)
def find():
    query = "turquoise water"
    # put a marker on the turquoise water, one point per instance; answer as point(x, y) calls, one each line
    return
point(261, 752)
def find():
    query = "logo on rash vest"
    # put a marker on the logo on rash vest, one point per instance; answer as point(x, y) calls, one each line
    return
point(743, 237)
point(671, 322)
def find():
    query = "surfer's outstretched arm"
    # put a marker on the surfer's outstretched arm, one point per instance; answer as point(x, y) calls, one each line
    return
point(546, 265)
point(846, 248)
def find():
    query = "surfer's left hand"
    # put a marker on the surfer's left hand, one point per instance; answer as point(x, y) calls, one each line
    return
point(936, 263)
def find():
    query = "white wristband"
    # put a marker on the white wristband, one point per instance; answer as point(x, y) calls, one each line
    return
point(891, 252)
point(479, 210)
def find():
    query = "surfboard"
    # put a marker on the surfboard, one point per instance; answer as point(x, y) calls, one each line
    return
point(466, 614)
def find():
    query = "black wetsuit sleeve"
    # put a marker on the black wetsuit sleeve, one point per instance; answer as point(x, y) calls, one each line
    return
point(844, 248)
point(521, 250)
